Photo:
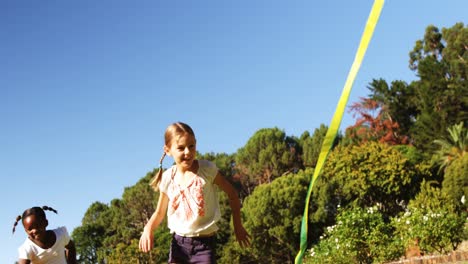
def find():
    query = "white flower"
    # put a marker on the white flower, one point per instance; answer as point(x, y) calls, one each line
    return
point(463, 199)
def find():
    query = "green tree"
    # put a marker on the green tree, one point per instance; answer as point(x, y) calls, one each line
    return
point(129, 215)
point(111, 233)
point(425, 108)
point(399, 101)
point(89, 237)
point(273, 218)
point(138, 204)
point(440, 61)
point(268, 154)
point(311, 145)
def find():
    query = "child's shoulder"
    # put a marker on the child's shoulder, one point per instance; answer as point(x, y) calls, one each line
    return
point(168, 171)
point(60, 231)
point(206, 163)
point(207, 168)
point(166, 178)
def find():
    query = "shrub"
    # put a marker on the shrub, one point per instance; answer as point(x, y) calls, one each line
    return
point(360, 236)
point(432, 219)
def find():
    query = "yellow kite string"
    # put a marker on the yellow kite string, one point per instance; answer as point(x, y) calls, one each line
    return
point(336, 120)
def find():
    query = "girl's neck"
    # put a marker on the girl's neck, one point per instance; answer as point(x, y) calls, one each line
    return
point(183, 177)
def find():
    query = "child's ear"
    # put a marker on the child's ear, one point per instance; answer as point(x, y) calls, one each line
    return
point(166, 150)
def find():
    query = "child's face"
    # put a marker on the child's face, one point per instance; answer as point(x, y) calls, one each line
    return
point(183, 150)
point(35, 227)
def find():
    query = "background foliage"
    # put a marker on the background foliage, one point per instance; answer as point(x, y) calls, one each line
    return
point(398, 176)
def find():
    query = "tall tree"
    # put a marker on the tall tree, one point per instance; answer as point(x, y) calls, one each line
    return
point(311, 145)
point(398, 100)
point(274, 213)
point(425, 108)
point(139, 203)
point(440, 60)
point(268, 154)
point(89, 237)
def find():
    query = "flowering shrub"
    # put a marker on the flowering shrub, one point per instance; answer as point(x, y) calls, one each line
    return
point(433, 221)
point(436, 231)
point(359, 236)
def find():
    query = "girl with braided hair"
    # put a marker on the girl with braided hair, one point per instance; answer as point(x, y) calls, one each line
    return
point(188, 196)
point(44, 246)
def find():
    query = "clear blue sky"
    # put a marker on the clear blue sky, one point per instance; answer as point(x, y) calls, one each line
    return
point(88, 87)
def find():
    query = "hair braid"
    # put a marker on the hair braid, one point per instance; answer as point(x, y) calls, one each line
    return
point(157, 178)
point(39, 211)
point(16, 223)
point(47, 208)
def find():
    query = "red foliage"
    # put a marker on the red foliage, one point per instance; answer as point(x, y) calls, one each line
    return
point(374, 124)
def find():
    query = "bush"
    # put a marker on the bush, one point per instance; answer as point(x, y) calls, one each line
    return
point(431, 219)
point(360, 236)
point(455, 183)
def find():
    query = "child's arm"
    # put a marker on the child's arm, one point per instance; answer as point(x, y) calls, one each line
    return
point(241, 234)
point(70, 252)
point(146, 239)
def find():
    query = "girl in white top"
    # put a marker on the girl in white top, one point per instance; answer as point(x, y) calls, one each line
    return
point(188, 195)
point(42, 245)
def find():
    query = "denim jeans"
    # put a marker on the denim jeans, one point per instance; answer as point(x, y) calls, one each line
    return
point(196, 250)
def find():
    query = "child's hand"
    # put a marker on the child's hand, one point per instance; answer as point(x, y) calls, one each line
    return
point(146, 240)
point(242, 236)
